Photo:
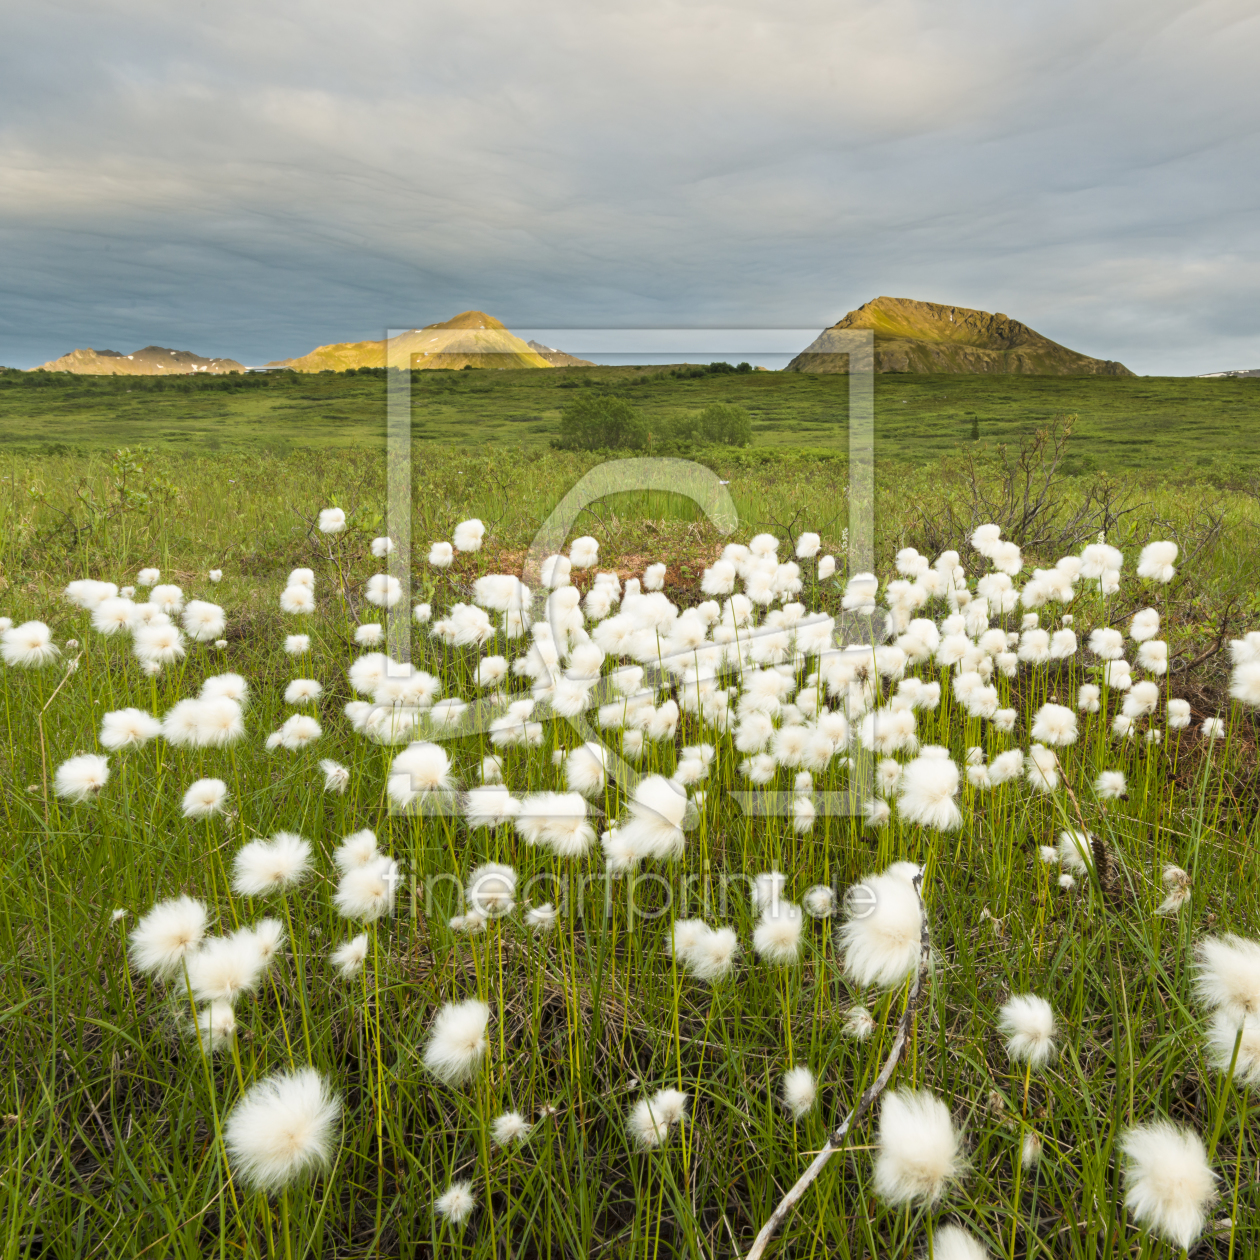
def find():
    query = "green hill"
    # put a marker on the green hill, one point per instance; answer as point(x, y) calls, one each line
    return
point(915, 336)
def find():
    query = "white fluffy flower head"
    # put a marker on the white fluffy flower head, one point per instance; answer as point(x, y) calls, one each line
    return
point(509, 1127)
point(468, 535)
point(1027, 1023)
point(881, 936)
point(920, 1151)
point(366, 892)
point(336, 776)
point(128, 728)
point(800, 1092)
point(28, 646)
point(1168, 1181)
point(205, 798)
point(167, 935)
point(1228, 976)
point(456, 1203)
point(651, 1119)
point(349, 958)
point(282, 1128)
point(267, 866)
point(457, 1041)
point(81, 778)
point(777, 937)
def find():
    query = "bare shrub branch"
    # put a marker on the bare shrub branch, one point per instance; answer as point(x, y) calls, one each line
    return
point(863, 1105)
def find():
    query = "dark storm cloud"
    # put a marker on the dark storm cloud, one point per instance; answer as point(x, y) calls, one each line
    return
point(254, 179)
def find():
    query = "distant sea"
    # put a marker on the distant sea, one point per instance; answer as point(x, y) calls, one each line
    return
point(772, 348)
point(772, 361)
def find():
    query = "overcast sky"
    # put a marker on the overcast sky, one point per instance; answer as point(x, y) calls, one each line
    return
point(255, 178)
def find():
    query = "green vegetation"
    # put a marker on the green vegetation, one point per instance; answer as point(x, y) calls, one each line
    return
point(605, 422)
point(601, 423)
point(108, 1130)
point(114, 1117)
point(719, 424)
point(1176, 427)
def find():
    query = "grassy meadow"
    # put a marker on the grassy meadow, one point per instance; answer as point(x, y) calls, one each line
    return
point(1126, 424)
point(111, 1107)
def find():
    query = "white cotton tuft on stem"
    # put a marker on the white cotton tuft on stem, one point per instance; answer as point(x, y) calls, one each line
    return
point(1041, 768)
point(81, 778)
point(1168, 1181)
point(1228, 976)
point(456, 1203)
point(349, 958)
point(920, 1151)
point(881, 935)
point(167, 935)
point(509, 1127)
point(283, 1127)
point(927, 793)
point(952, 1242)
point(799, 1092)
point(457, 1041)
point(651, 1119)
point(1027, 1023)
point(267, 866)
point(366, 892)
point(777, 936)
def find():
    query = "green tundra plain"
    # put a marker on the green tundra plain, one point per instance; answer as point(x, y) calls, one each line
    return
point(1176, 425)
point(110, 1115)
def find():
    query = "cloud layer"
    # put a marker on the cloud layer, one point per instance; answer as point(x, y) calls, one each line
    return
point(255, 179)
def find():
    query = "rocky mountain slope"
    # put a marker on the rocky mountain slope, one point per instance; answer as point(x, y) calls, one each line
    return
point(915, 336)
point(558, 358)
point(471, 339)
point(151, 361)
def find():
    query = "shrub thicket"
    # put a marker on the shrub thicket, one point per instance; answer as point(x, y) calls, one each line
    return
point(601, 422)
point(605, 422)
point(724, 424)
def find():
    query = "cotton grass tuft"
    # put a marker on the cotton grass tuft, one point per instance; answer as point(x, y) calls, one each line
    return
point(205, 798)
point(457, 1041)
point(799, 1092)
point(165, 937)
point(920, 1151)
point(1168, 1181)
point(881, 937)
point(283, 1128)
point(1027, 1023)
point(651, 1119)
point(81, 778)
point(267, 866)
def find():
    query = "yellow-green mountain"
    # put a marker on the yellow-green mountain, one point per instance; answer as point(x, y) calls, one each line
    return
point(915, 336)
point(471, 339)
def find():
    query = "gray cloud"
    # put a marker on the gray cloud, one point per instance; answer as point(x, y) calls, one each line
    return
point(255, 179)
